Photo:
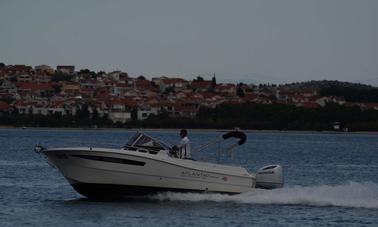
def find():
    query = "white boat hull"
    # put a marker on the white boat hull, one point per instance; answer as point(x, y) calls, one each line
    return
point(110, 172)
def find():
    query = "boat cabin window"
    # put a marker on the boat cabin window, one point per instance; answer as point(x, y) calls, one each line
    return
point(145, 143)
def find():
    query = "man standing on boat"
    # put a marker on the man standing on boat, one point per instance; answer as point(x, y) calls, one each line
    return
point(184, 145)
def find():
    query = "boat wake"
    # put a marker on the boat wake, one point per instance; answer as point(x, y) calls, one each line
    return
point(352, 194)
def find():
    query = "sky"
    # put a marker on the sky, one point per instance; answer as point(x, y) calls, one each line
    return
point(258, 41)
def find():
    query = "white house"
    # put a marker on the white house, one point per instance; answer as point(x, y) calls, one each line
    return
point(145, 111)
point(119, 116)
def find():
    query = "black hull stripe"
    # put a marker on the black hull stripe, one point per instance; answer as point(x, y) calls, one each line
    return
point(111, 159)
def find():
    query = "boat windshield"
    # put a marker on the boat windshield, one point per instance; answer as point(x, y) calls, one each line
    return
point(141, 140)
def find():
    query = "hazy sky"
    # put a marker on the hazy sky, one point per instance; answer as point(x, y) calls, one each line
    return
point(265, 41)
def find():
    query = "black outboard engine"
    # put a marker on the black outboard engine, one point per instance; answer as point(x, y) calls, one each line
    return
point(270, 177)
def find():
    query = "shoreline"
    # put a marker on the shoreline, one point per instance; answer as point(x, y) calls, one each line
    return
point(193, 130)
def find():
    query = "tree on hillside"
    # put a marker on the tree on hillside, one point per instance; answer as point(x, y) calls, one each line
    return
point(134, 114)
point(213, 82)
point(59, 76)
point(83, 112)
point(352, 94)
point(239, 90)
point(212, 85)
point(199, 79)
point(84, 71)
point(169, 90)
point(95, 115)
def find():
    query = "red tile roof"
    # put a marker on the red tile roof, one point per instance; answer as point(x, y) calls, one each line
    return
point(225, 86)
point(371, 106)
point(4, 106)
point(250, 96)
point(143, 84)
point(19, 68)
point(309, 105)
point(201, 84)
point(126, 102)
point(34, 86)
point(173, 80)
point(208, 95)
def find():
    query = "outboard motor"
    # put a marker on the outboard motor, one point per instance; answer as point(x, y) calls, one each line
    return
point(270, 177)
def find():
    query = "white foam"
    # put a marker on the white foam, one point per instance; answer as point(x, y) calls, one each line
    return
point(352, 194)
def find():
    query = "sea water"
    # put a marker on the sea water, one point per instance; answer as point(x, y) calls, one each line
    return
point(330, 179)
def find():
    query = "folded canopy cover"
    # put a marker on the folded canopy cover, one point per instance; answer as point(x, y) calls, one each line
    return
point(236, 134)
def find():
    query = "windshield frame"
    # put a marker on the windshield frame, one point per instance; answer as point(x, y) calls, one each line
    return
point(135, 139)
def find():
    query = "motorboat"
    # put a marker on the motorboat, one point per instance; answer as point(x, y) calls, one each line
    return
point(146, 165)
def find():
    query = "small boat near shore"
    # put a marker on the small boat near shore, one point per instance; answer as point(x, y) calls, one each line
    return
point(146, 165)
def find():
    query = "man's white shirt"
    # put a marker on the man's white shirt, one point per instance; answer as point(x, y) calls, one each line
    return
point(184, 148)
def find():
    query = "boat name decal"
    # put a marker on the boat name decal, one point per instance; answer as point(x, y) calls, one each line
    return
point(199, 175)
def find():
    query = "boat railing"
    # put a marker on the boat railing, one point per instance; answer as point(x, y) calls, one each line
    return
point(218, 142)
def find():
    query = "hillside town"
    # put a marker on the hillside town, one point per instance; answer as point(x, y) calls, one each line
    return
point(120, 97)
